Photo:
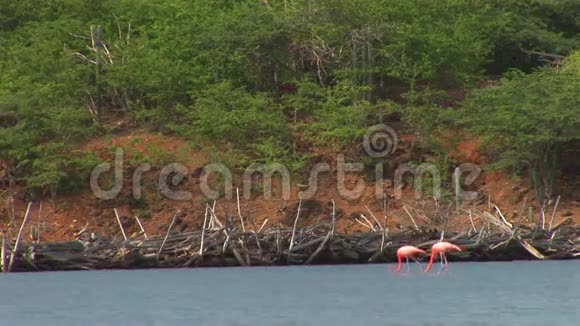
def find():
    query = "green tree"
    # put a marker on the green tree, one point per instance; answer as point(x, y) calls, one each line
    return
point(529, 120)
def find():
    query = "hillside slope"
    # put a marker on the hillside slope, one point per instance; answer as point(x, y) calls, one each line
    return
point(63, 217)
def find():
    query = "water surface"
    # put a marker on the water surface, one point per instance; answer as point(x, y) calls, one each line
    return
point(507, 293)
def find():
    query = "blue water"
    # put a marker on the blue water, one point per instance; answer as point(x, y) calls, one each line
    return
point(514, 293)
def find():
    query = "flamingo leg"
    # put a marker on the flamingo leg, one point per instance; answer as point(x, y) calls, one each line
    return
point(407, 263)
point(399, 263)
point(441, 262)
point(430, 263)
point(418, 262)
point(446, 262)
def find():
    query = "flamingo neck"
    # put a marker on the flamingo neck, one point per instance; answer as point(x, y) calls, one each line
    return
point(430, 262)
point(400, 264)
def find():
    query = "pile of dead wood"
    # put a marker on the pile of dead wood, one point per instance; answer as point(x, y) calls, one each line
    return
point(217, 244)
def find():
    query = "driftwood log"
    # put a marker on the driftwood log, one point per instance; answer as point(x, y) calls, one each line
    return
point(215, 245)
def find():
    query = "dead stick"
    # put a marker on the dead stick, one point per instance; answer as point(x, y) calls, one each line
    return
point(214, 217)
point(17, 244)
point(167, 234)
point(142, 228)
point(226, 242)
point(120, 225)
point(531, 249)
point(260, 251)
point(385, 230)
point(503, 218)
point(4, 267)
point(471, 220)
point(83, 230)
point(444, 227)
point(562, 222)
point(203, 230)
point(319, 249)
point(553, 213)
point(247, 254)
point(263, 224)
point(38, 228)
point(333, 218)
point(411, 217)
point(363, 224)
point(239, 210)
point(294, 228)
point(369, 223)
point(239, 257)
point(373, 216)
point(278, 250)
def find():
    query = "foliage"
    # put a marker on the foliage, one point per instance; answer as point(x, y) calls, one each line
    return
point(224, 112)
point(251, 77)
point(528, 120)
point(341, 119)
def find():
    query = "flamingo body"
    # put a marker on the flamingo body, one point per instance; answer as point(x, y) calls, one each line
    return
point(407, 252)
point(440, 249)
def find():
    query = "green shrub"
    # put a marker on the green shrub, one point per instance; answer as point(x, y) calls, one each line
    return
point(528, 120)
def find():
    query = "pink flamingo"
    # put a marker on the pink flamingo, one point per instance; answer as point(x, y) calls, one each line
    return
point(407, 252)
point(440, 248)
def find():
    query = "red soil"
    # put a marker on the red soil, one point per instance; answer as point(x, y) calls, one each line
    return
point(62, 219)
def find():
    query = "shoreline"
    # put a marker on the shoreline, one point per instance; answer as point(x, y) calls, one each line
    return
point(390, 264)
point(218, 246)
